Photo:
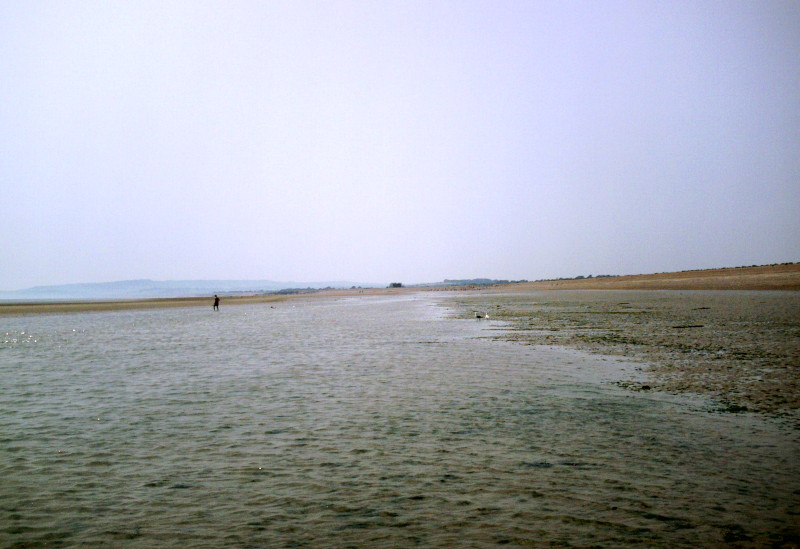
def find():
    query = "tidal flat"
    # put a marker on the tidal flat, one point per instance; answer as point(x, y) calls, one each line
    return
point(363, 422)
point(740, 347)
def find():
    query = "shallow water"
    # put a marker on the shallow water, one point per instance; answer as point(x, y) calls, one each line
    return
point(372, 422)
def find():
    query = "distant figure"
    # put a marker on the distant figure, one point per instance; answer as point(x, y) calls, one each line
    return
point(216, 302)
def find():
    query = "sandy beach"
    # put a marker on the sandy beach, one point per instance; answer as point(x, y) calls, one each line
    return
point(785, 276)
point(41, 307)
point(53, 307)
point(766, 277)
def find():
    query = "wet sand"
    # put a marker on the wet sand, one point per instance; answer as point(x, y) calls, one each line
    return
point(741, 347)
point(57, 307)
point(42, 307)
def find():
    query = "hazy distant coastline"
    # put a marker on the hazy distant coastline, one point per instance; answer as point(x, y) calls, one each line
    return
point(768, 277)
point(784, 276)
point(154, 289)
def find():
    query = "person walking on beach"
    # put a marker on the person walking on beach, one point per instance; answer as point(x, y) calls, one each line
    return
point(216, 302)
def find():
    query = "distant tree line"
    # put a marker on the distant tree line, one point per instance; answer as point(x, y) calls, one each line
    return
point(579, 277)
point(294, 291)
point(479, 281)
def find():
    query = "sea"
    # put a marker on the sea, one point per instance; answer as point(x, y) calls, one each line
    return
point(372, 422)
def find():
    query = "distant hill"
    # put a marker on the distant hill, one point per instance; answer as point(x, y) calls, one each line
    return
point(143, 289)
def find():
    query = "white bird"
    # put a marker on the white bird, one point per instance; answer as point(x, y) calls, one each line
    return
point(481, 315)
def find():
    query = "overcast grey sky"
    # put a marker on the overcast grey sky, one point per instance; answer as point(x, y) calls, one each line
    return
point(380, 141)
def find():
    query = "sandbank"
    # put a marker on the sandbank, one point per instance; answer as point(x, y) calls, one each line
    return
point(47, 307)
point(56, 307)
point(740, 347)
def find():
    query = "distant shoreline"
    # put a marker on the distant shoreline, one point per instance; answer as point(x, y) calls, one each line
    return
point(767, 277)
point(785, 277)
point(51, 307)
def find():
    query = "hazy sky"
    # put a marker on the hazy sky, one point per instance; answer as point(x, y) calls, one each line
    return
point(409, 141)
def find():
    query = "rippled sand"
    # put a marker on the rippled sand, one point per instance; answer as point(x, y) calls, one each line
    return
point(364, 423)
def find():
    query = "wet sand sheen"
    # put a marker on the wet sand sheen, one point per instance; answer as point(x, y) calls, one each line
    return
point(371, 422)
point(742, 347)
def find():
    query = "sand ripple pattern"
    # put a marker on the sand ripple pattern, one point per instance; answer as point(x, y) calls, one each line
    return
point(361, 423)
